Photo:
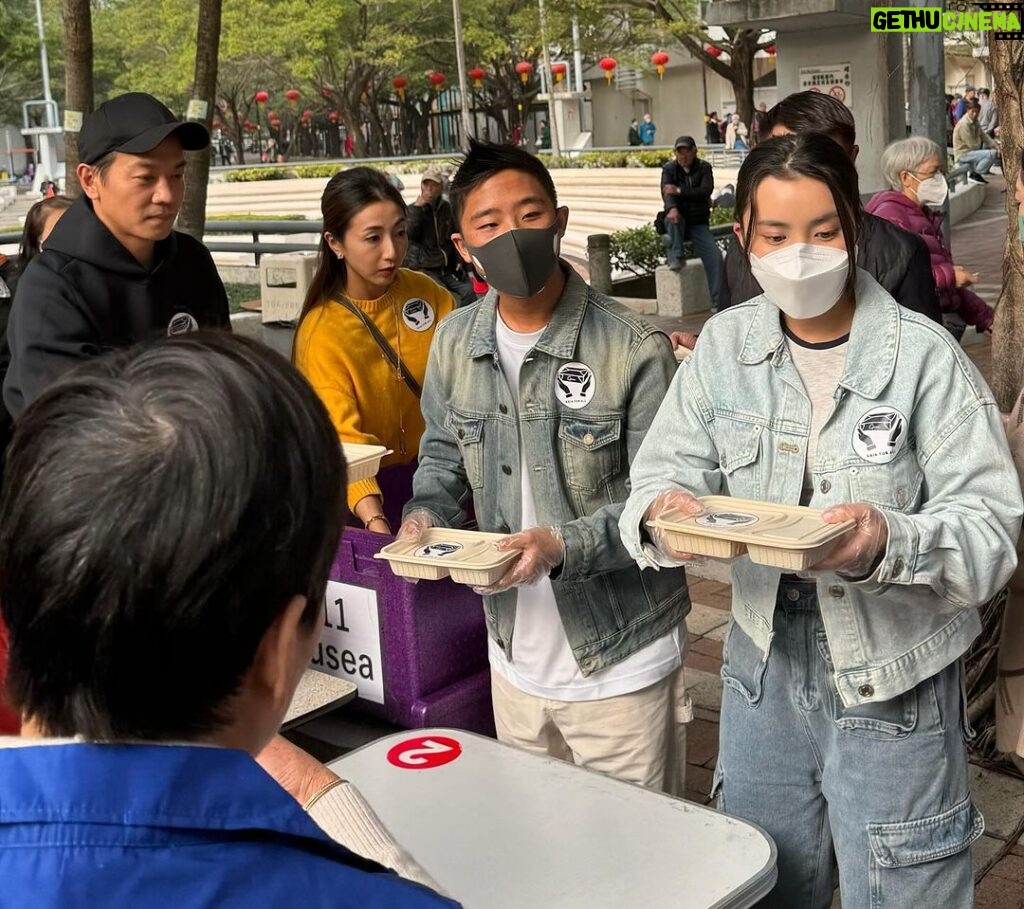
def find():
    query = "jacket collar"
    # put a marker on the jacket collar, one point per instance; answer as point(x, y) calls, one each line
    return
point(560, 336)
point(874, 338)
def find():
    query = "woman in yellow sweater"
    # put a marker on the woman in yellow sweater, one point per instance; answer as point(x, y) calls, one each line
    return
point(366, 326)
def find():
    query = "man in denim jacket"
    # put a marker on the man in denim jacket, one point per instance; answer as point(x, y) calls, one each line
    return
point(535, 401)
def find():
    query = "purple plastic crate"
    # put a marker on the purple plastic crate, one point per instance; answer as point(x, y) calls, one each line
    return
point(433, 642)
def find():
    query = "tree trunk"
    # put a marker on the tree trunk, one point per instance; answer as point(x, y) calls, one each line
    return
point(1007, 61)
point(77, 18)
point(744, 47)
point(192, 218)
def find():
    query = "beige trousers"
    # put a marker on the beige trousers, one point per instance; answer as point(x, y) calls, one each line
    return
point(638, 737)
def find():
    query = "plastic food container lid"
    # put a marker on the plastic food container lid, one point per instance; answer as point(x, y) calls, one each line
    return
point(470, 556)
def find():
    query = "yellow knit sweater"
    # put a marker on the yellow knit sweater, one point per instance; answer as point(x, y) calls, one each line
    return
point(367, 400)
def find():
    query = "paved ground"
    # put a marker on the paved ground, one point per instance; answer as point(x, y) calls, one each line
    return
point(977, 244)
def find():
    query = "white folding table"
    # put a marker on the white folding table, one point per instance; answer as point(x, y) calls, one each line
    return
point(497, 827)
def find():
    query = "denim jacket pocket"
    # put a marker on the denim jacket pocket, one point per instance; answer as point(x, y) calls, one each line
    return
point(896, 718)
point(895, 486)
point(592, 460)
point(469, 435)
point(743, 665)
point(739, 444)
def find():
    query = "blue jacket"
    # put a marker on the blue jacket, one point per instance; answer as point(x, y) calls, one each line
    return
point(646, 131)
point(914, 431)
point(167, 825)
point(588, 392)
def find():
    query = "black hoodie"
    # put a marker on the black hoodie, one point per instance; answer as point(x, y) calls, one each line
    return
point(85, 294)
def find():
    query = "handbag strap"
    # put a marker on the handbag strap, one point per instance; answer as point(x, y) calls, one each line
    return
point(382, 343)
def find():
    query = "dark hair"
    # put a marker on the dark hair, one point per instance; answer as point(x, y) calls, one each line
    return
point(347, 194)
point(161, 508)
point(809, 154)
point(972, 104)
point(814, 111)
point(484, 160)
point(35, 218)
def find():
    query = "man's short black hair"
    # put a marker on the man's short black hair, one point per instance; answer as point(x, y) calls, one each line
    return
point(809, 111)
point(483, 161)
point(161, 508)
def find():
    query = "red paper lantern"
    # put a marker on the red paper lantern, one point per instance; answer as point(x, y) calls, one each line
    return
point(261, 98)
point(307, 115)
point(477, 75)
point(293, 95)
point(398, 84)
point(524, 68)
point(608, 64)
point(659, 59)
point(333, 116)
point(558, 70)
point(712, 51)
point(325, 91)
point(437, 79)
point(217, 124)
point(770, 50)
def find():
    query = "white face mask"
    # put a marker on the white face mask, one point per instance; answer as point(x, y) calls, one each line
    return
point(803, 280)
point(933, 191)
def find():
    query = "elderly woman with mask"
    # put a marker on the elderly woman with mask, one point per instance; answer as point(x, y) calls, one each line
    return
point(913, 168)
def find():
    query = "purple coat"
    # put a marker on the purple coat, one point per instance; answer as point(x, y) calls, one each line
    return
point(901, 211)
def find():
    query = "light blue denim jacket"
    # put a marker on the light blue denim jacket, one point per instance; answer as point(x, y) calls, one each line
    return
point(736, 422)
point(578, 458)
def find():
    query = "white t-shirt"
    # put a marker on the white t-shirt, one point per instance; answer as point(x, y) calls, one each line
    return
point(820, 367)
point(542, 663)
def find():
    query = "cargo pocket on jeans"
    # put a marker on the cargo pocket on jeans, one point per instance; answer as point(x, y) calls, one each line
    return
point(903, 866)
point(743, 665)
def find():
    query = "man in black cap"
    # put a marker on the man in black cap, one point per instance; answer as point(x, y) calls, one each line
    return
point(686, 186)
point(114, 272)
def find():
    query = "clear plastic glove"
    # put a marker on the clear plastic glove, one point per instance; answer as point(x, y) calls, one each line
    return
point(859, 549)
point(413, 526)
point(542, 550)
point(417, 521)
point(670, 500)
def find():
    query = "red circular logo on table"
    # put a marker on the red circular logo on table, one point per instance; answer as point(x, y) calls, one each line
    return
point(424, 752)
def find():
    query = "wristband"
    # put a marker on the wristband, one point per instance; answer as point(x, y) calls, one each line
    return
point(376, 517)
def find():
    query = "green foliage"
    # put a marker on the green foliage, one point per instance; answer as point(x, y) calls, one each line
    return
point(721, 216)
point(255, 174)
point(638, 250)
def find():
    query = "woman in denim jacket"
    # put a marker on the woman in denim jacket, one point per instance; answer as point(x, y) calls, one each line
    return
point(842, 709)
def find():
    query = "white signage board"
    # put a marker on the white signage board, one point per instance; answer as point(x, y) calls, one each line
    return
point(830, 79)
point(349, 645)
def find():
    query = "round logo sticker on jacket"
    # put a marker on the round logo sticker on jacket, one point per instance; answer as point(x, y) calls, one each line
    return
point(880, 435)
point(181, 324)
point(575, 385)
point(418, 314)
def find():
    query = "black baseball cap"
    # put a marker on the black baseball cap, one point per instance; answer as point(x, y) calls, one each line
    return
point(135, 123)
point(685, 142)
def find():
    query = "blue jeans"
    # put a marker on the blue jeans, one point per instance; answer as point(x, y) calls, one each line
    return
point(884, 785)
point(980, 160)
point(704, 245)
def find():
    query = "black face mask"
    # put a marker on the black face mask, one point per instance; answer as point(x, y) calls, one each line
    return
point(521, 261)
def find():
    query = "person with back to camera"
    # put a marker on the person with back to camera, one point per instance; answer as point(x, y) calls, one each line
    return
point(842, 725)
point(897, 259)
point(114, 271)
point(155, 649)
point(366, 327)
point(913, 168)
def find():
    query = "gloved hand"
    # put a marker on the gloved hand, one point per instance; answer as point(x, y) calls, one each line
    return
point(412, 529)
point(665, 501)
point(413, 526)
point(542, 549)
point(859, 549)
